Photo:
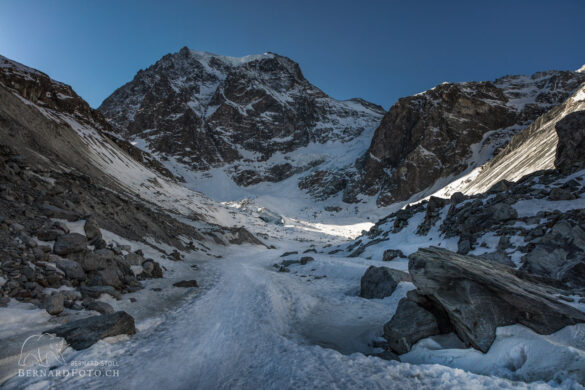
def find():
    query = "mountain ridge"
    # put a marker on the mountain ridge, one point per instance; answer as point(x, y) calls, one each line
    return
point(222, 110)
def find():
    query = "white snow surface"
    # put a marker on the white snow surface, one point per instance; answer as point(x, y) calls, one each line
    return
point(256, 328)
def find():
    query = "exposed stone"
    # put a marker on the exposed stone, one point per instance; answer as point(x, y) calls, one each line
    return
point(571, 144)
point(92, 229)
point(479, 296)
point(82, 334)
point(391, 254)
point(285, 254)
point(96, 291)
point(72, 269)
point(152, 269)
point(561, 194)
point(306, 259)
point(502, 212)
point(57, 212)
point(186, 283)
point(377, 282)
point(70, 243)
point(457, 198)
point(99, 306)
point(136, 259)
point(55, 304)
point(108, 277)
point(49, 233)
point(97, 260)
point(409, 324)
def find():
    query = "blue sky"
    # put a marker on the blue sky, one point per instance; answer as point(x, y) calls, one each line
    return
point(377, 50)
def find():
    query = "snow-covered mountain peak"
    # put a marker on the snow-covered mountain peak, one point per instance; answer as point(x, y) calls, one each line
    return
point(233, 61)
point(581, 69)
point(252, 116)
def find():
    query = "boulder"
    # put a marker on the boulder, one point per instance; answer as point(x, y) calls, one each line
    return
point(559, 254)
point(49, 233)
point(501, 212)
point(97, 260)
point(96, 291)
point(561, 194)
point(108, 277)
point(99, 244)
point(175, 255)
point(391, 254)
point(92, 229)
point(464, 246)
point(478, 296)
point(55, 304)
point(409, 324)
point(306, 259)
point(152, 269)
point(457, 198)
point(82, 334)
point(135, 259)
point(377, 282)
point(99, 306)
point(70, 243)
point(572, 234)
point(72, 269)
point(186, 283)
point(57, 212)
point(498, 256)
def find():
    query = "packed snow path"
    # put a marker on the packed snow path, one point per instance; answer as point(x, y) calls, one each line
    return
point(246, 331)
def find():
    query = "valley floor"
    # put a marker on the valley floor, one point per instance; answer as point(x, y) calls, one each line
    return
point(251, 327)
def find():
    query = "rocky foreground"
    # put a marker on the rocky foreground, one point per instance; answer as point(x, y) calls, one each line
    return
point(57, 202)
point(518, 256)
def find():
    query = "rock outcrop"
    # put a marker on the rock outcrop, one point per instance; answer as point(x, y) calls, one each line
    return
point(448, 130)
point(82, 334)
point(377, 282)
point(479, 296)
point(432, 135)
point(409, 324)
point(570, 155)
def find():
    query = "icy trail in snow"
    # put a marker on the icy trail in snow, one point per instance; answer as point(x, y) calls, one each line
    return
point(247, 331)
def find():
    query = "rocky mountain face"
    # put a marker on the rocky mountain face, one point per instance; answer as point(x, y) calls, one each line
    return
point(554, 135)
point(445, 131)
point(59, 165)
point(254, 117)
point(244, 114)
point(512, 254)
point(50, 95)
